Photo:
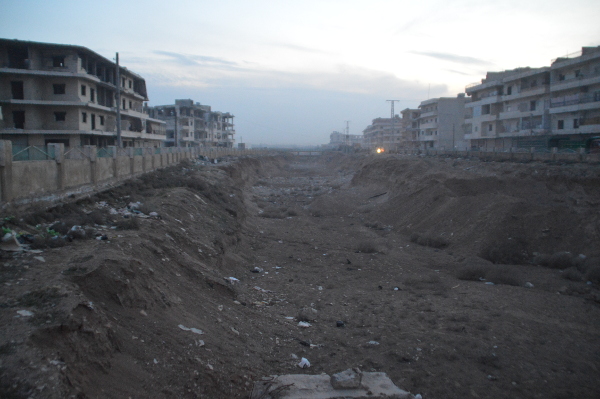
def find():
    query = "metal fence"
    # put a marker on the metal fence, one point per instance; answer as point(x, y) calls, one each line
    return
point(32, 153)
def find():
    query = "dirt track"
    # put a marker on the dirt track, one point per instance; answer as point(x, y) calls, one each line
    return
point(399, 250)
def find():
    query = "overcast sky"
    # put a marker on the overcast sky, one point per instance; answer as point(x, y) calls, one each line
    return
point(294, 71)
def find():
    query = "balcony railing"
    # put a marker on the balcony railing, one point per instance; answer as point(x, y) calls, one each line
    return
point(574, 100)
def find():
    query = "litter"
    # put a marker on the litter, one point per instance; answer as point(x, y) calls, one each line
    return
point(303, 324)
point(194, 330)
point(24, 313)
point(304, 363)
point(373, 343)
point(231, 280)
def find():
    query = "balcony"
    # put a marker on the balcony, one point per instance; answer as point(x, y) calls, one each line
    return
point(574, 103)
point(581, 80)
point(528, 92)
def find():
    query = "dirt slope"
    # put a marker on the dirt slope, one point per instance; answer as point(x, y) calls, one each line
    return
point(327, 240)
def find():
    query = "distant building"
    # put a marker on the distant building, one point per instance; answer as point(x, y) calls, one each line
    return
point(383, 133)
point(556, 106)
point(192, 124)
point(441, 123)
point(56, 93)
point(410, 128)
point(337, 139)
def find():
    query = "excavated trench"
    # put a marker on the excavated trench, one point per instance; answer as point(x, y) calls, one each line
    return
point(457, 278)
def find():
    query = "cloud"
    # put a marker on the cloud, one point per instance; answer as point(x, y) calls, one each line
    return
point(192, 60)
point(303, 49)
point(460, 59)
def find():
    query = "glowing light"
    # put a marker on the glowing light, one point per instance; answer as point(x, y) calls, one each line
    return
point(380, 150)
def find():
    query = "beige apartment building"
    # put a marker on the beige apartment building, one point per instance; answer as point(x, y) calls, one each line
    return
point(190, 124)
point(441, 123)
point(410, 127)
point(337, 139)
point(56, 93)
point(556, 106)
point(383, 133)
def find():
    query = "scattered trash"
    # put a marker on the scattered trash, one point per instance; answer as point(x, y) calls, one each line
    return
point(143, 312)
point(303, 324)
point(304, 363)
point(236, 332)
point(289, 318)
point(294, 356)
point(418, 396)
point(220, 307)
point(396, 288)
point(320, 288)
point(231, 280)
point(489, 283)
point(102, 238)
point(373, 343)
point(24, 313)
point(10, 243)
point(194, 330)
point(339, 323)
point(528, 285)
point(155, 361)
point(257, 270)
point(40, 258)
point(492, 378)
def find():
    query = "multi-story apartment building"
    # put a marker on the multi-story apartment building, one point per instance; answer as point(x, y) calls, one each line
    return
point(575, 99)
point(192, 124)
point(556, 106)
point(337, 139)
point(441, 123)
point(55, 93)
point(383, 133)
point(410, 128)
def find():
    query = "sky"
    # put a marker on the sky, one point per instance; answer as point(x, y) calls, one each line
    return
point(292, 72)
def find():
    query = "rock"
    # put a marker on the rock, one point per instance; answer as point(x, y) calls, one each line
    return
point(10, 243)
point(303, 324)
point(24, 313)
point(528, 285)
point(347, 379)
point(304, 363)
point(339, 323)
point(302, 386)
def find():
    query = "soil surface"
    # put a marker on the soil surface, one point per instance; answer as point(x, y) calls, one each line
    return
point(457, 278)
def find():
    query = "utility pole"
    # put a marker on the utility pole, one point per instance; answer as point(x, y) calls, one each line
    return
point(393, 115)
point(347, 132)
point(119, 140)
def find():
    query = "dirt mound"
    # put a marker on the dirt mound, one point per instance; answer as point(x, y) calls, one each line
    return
point(191, 281)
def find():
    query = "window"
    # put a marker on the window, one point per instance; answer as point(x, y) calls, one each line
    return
point(490, 128)
point(58, 61)
point(84, 117)
point(561, 124)
point(486, 109)
point(561, 77)
point(123, 82)
point(509, 90)
point(532, 105)
point(101, 117)
point(92, 95)
point(578, 73)
point(124, 104)
point(575, 123)
point(83, 90)
point(130, 105)
point(60, 116)
point(19, 119)
point(59, 88)
point(130, 84)
point(17, 90)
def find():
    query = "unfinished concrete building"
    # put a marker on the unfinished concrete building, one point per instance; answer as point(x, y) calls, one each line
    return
point(56, 93)
point(337, 139)
point(410, 128)
point(441, 123)
point(192, 124)
point(556, 106)
point(383, 133)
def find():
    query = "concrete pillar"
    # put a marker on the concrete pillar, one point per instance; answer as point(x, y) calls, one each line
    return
point(113, 151)
point(130, 154)
point(92, 153)
point(6, 190)
point(59, 157)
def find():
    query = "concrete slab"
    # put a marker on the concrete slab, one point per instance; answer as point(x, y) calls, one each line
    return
point(302, 386)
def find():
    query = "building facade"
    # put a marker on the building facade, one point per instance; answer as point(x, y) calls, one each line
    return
point(441, 123)
point(192, 124)
point(555, 106)
point(383, 133)
point(410, 128)
point(337, 139)
point(54, 93)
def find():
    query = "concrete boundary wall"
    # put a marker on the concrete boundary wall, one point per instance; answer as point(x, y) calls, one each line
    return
point(512, 155)
point(23, 182)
